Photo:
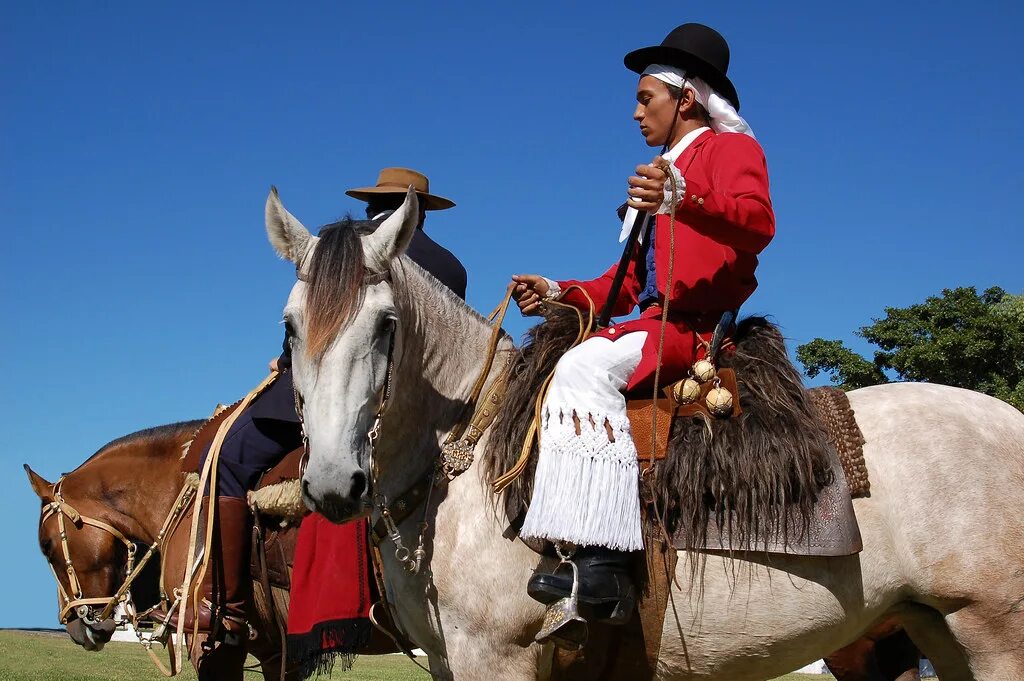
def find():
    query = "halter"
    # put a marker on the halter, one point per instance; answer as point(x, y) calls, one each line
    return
point(84, 607)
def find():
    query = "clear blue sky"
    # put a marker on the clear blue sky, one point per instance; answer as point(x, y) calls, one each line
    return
point(140, 139)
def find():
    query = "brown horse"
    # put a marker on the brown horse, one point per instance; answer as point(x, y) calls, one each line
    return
point(131, 484)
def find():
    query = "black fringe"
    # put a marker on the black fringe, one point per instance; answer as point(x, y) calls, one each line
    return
point(747, 476)
point(315, 652)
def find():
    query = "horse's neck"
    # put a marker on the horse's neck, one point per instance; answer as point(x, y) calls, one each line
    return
point(444, 350)
point(444, 347)
point(133, 486)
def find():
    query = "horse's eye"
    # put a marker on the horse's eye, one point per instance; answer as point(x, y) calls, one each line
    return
point(289, 329)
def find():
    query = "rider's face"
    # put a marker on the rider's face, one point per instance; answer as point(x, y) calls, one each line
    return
point(655, 110)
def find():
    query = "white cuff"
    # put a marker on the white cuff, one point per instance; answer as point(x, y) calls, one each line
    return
point(666, 203)
point(554, 290)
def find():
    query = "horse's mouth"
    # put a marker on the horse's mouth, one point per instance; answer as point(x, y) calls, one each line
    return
point(91, 637)
point(338, 509)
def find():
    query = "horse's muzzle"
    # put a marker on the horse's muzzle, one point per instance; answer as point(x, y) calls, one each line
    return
point(340, 508)
point(91, 637)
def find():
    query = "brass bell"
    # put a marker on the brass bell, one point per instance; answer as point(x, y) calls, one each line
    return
point(719, 401)
point(704, 371)
point(686, 391)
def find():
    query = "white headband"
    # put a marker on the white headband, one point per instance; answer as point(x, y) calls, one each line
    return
point(724, 117)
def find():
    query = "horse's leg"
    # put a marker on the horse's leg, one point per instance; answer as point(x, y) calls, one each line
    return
point(271, 668)
point(884, 653)
point(993, 640)
point(898, 658)
point(855, 662)
point(873, 657)
point(218, 663)
point(505, 661)
point(929, 632)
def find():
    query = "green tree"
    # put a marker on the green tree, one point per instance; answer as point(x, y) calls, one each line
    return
point(959, 338)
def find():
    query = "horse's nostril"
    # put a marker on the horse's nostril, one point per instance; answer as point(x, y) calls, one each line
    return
point(358, 485)
point(305, 489)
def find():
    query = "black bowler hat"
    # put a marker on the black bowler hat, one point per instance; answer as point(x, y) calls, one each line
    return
point(696, 48)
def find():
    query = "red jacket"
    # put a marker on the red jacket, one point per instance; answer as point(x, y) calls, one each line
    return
point(724, 220)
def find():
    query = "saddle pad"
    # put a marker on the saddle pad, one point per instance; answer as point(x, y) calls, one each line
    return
point(836, 415)
point(279, 548)
point(841, 425)
point(832, 530)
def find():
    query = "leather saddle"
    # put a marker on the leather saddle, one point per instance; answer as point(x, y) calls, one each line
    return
point(274, 538)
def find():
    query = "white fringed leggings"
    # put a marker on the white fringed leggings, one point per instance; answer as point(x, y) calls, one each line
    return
point(586, 486)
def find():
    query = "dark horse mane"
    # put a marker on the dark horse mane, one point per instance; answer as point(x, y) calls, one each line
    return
point(742, 474)
point(167, 430)
point(336, 282)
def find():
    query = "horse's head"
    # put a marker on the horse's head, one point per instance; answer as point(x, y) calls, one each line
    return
point(87, 562)
point(341, 320)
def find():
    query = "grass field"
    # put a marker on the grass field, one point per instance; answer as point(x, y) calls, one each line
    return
point(26, 656)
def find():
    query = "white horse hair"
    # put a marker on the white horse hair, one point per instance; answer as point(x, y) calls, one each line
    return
point(943, 529)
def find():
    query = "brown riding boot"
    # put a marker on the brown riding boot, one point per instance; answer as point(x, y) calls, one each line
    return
point(226, 582)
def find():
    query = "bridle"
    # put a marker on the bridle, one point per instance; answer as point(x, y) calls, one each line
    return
point(455, 457)
point(86, 608)
point(456, 453)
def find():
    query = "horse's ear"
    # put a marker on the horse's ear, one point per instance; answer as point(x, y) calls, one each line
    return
point(42, 488)
point(393, 236)
point(287, 235)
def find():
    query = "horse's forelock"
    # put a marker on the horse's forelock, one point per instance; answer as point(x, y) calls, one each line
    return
point(336, 284)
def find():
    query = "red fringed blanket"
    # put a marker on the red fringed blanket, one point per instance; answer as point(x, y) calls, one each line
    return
point(330, 595)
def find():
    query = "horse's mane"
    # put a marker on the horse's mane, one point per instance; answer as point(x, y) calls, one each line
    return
point(452, 306)
point(168, 430)
point(743, 471)
point(336, 282)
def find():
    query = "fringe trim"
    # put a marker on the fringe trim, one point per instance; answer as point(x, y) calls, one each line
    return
point(317, 651)
point(586, 489)
point(281, 500)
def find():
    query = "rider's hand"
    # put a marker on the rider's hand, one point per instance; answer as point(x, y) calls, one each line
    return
point(647, 187)
point(273, 364)
point(528, 292)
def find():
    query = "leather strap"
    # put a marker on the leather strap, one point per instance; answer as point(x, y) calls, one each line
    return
point(661, 570)
point(402, 506)
point(508, 477)
point(194, 579)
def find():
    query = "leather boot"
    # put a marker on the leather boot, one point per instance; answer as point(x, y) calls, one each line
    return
point(225, 588)
point(606, 591)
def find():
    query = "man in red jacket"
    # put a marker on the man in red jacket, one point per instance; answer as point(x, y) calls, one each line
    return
point(701, 260)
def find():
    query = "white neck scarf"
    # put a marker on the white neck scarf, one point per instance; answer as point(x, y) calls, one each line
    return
point(724, 117)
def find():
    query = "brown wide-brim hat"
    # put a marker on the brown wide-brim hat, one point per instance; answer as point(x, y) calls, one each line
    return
point(398, 181)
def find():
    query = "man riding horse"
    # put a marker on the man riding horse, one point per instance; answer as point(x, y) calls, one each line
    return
point(698, 262)
point(270, 428)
